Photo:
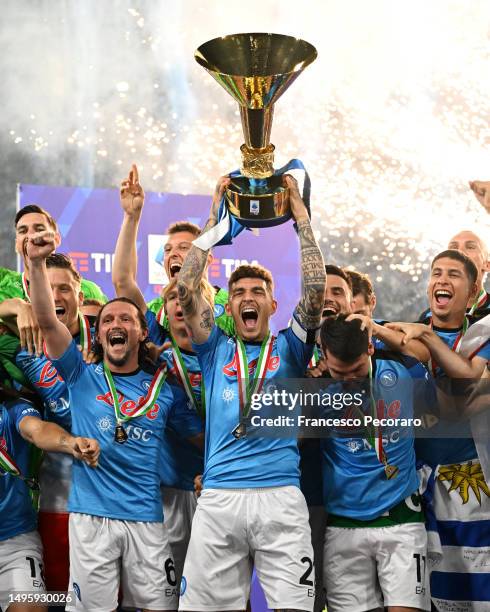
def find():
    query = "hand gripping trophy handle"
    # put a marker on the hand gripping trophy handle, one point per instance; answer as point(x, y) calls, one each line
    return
point(256, 69)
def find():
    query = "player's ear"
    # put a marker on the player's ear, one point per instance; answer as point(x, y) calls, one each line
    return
point(80, 298)
point(372, 303)
point(370, 348)
point(228, 309)
point(57, 239)
point(274, 306)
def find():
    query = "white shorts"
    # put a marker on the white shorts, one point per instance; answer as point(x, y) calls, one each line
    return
point(235, 528)
point(179, 507)
point(21, 566)
point(108, 553)
point(368, 567)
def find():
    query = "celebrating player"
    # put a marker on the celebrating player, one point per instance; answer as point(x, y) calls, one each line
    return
point(375, 529)
point(21, 558)
point(116, 529)
point(251, 506)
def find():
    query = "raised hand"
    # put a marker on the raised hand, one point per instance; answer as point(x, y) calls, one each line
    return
point(298, 208)
point(481, 189)
point(132, 196)
point(39, 245)
point(219, 190)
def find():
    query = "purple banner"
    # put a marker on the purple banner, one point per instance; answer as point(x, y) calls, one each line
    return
point(89, 222)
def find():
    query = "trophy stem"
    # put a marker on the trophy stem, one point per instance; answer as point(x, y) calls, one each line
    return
point(257, 125)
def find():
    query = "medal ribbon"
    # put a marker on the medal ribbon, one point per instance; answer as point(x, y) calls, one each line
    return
point(25, 286)
point(315, 358)
point(455, 347)
point(145, 404)
point(7, 464)
point(480, 300)
point(245, 390)
point(375, 439)
point(186, 382)
point(161, 317)
point(85, 336)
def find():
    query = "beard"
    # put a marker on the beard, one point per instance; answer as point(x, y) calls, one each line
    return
point(118, 361)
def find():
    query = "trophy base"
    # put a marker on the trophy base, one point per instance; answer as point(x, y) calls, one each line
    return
point(259, 202)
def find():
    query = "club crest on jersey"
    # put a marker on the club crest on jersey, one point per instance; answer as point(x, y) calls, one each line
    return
point(48, 376)
point(388, 378)
point(230, 369)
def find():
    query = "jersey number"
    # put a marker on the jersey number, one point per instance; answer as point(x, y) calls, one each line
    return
point(417, 557)
point(304, 578)
point(32, 564)
point(170, 571)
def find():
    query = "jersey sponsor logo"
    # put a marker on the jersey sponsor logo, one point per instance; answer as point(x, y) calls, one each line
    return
point(353, 446)
point(128, 406)
point(388, 378)
point(392, 410)
point(219, 309)
point(105, 423)
point(230, 369)
point(29, 411)
point(48, 376)
point(134, 432)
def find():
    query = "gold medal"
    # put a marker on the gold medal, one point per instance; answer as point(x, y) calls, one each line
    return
point(240, 431)
point(391, 471)
point(120, 435)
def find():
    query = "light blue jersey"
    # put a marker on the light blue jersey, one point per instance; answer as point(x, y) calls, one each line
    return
point(181, 461)
point(248, 462)
point(48, 384)
point(441, 448)
point(354, 480)
point(126, 483)
point(17, 514)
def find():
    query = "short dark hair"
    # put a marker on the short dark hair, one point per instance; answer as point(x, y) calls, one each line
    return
point(143, 353)
point(469, 266)
point(361, 283)
point(60, 260)
point(344, 339)
point(336, 271)
point(184, 226)
point(253, 271)
point(34, 208)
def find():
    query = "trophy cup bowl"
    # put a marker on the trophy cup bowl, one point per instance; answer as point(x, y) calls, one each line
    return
point(256, 69)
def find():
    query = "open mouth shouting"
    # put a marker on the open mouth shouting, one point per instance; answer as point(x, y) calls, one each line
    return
point(60, 311)
point(117, 338)
point(442, 297)
point(330, 310)
point(174, 268)
point(250, 316)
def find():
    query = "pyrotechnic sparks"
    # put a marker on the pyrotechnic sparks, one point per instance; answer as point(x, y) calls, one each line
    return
point(391, 120)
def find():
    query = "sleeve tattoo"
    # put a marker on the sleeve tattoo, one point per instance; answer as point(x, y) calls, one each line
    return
point(309, 310)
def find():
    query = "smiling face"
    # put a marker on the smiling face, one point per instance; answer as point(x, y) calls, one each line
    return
point(251, 305)
point(472, 246)
point(29, 224)
point(338, 298)
point(67, 296)
point(449, 291)
point(120, 333)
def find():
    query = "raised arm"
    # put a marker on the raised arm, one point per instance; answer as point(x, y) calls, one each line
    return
point(125, 264)
point(313, 278)
point(51, 437)
point(481, 189)
point(198, 314)
point(56, 335)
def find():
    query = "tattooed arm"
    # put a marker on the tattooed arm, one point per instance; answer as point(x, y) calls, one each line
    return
point(309, 310)
point(198, 313)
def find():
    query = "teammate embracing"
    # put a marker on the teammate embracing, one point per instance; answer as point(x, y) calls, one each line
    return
point(251, 509)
